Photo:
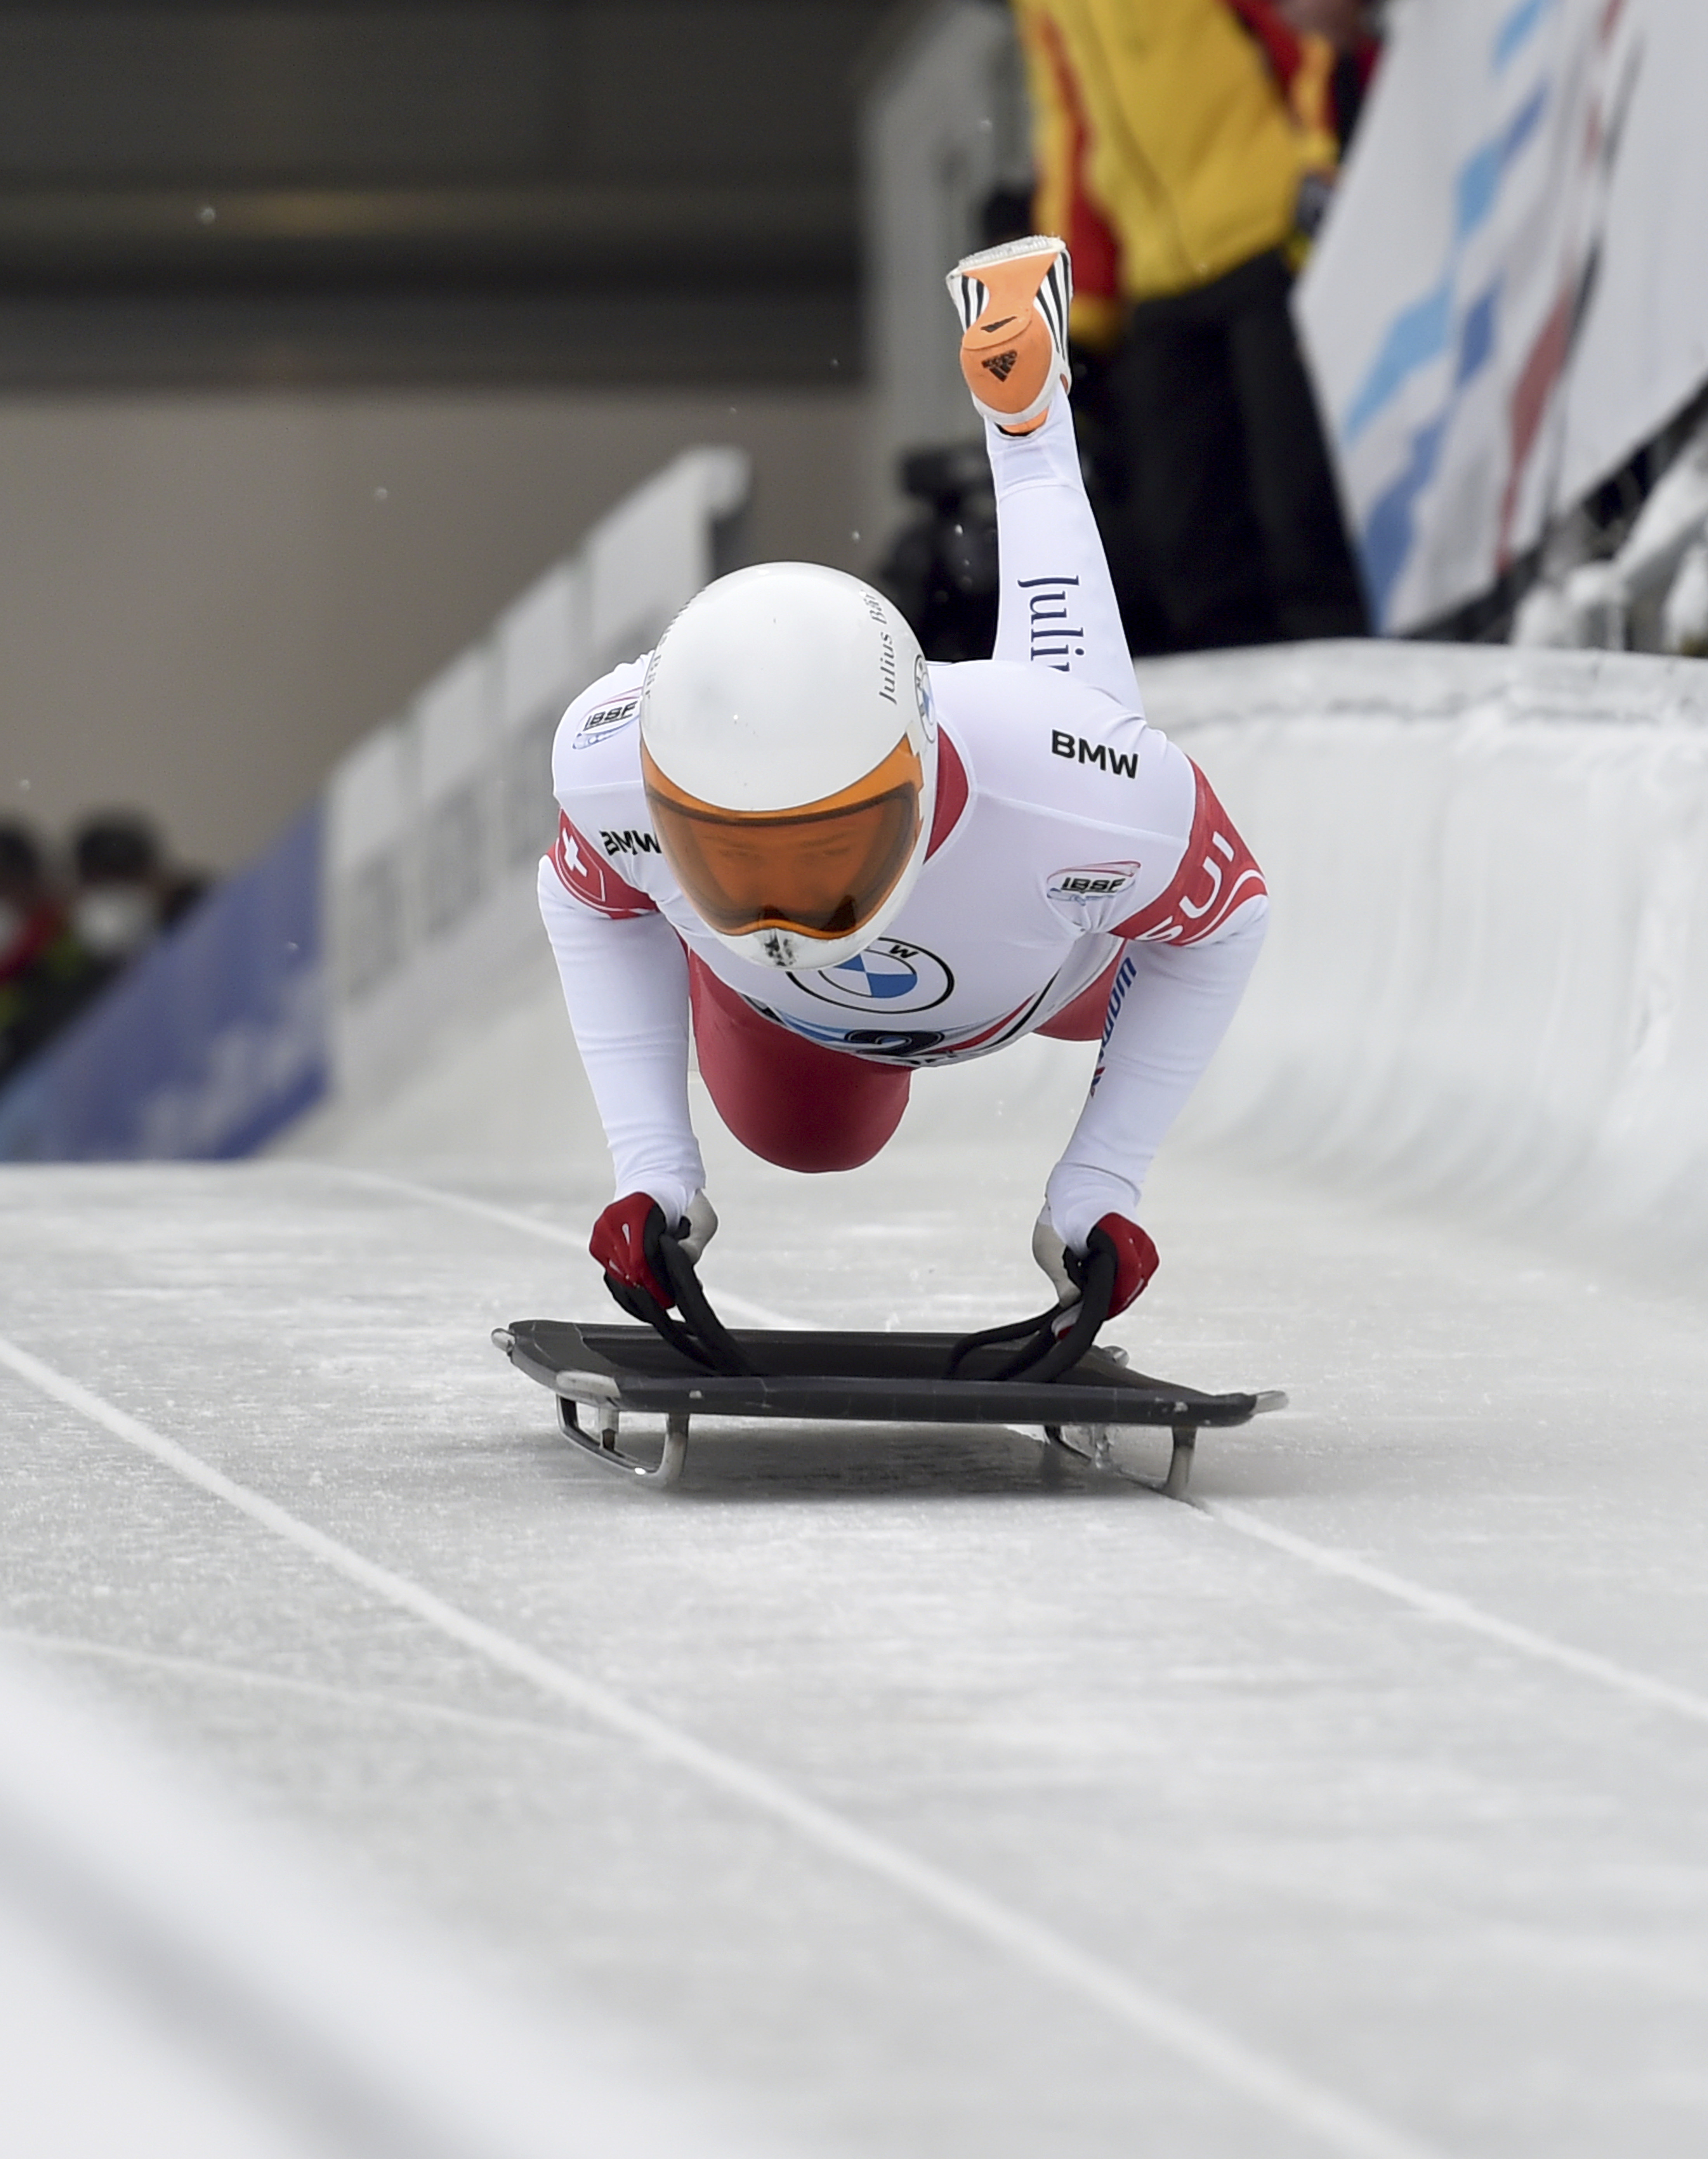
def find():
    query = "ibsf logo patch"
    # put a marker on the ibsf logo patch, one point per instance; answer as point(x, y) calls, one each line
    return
point(888, 976)
point(1093, 881)
point(605, 720)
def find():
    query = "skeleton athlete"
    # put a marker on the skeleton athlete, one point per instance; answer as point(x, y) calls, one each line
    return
point(844, 864)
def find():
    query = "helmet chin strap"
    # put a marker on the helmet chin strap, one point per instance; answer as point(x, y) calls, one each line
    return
point(786, 950)
point(781, 947)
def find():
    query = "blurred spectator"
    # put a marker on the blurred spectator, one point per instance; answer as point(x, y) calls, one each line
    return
point(43, 971)
point(126, 893)
point(117, 905)
point(27, 915)
point(54, 955)
point(1186, 150)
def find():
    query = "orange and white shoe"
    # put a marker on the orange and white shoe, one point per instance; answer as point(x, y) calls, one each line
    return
point(1012, 302)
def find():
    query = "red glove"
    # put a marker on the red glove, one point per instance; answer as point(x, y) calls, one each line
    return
point(618, 1241)
point(1135, 1260)
point(618, 1245)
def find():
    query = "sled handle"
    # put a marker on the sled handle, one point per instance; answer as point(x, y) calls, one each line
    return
point(699, 1334)
point(1046, 1355)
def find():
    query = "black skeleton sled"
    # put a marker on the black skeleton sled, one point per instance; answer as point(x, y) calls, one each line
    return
point(1045, 1372)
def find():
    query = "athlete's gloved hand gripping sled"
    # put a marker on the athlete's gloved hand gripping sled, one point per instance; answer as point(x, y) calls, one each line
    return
point(846, 864)
point(618, 1241)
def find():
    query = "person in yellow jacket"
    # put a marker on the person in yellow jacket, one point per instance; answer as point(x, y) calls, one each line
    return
point(1184, 149)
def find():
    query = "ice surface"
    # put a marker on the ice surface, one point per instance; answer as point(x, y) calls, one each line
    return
point(1384, 1767)
point(173, 1983)
point(1455, 1883)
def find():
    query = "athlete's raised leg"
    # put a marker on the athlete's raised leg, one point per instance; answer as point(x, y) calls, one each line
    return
point(1057, 606)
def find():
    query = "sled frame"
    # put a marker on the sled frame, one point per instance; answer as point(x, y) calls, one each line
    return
point(599, 1373)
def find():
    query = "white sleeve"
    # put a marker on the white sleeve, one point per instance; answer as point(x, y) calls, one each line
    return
point(1169, 1008)
point(1056, 606)
point(626, 985)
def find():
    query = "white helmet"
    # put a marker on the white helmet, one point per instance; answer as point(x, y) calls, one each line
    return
point(789, 754)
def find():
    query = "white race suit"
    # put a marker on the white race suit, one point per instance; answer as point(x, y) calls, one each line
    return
point(1073, 844)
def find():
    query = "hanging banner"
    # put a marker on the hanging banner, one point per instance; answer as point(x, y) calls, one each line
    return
point(1512, 294)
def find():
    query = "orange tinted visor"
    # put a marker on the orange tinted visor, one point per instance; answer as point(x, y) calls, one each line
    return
point(822, 870)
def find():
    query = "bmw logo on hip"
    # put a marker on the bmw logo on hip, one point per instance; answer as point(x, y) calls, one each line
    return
point(887, 977)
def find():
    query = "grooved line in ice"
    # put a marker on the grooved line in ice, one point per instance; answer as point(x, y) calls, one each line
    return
point(1339, 2124)
point(1439, 1604)
point(741, 1307)
point(1442, 1604)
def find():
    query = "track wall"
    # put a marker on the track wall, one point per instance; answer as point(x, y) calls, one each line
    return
point(1486, 977)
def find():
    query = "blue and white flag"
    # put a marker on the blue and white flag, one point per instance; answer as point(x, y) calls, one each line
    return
point(1508, 299)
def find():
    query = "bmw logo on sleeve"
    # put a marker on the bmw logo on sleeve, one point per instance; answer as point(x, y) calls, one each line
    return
point(888, 976)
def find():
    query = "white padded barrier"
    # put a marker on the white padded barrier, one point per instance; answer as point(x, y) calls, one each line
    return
point(539, 644)
point(372, 810)
point(435, 823)
point(1486, 977)
point(455, 723)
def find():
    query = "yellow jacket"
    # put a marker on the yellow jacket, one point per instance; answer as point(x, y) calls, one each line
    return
point(1160, 123)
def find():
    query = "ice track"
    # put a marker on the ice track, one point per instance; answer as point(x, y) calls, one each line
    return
point(871, 1794)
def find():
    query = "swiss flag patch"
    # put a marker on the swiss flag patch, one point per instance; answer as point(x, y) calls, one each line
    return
point(586, 874)
point(1218, 873)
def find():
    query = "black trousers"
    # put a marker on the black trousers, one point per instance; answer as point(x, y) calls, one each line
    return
point(1222, 523)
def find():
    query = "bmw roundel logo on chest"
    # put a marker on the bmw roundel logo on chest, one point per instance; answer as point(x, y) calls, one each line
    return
point(889, 976)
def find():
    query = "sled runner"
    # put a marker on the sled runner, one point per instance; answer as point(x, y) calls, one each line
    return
point(693, 1366)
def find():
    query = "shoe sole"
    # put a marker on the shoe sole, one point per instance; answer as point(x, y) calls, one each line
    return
point(1014, 305)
